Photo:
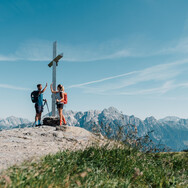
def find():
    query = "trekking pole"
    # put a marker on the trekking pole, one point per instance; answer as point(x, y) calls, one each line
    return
point(47, 106)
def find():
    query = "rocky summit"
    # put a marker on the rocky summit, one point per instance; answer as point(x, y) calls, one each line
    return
point(18, 145)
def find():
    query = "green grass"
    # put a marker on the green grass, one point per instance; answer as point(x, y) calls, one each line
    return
point(101, 167)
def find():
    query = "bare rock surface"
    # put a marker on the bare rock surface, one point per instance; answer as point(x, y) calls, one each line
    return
point(18, 145)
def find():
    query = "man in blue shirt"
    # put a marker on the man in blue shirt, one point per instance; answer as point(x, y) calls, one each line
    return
point(39, 104)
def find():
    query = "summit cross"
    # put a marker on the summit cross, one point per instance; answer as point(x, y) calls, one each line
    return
point(54, 63)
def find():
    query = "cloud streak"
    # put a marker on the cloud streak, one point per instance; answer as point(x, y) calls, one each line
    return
point(6, 86)
point(8, 58)
point(160, 74)
point(102, 80)
point(42, 51)
point(167, 86)
point(38, 50)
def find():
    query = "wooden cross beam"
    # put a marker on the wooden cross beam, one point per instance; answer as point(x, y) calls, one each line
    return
point(56, 59)
point(54, 63)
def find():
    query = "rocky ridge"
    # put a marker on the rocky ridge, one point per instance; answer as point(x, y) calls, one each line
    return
point(18, 145)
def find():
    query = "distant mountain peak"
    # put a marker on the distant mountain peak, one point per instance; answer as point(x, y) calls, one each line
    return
point(11, 117)
point(111, 109)
point(170, 118)
point(12, 121)
point(150, 120)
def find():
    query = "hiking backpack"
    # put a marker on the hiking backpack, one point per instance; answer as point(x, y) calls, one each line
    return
point(65, 98)
point(34, 96)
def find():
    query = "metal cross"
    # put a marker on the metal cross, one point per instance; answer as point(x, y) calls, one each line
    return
point(54, 63)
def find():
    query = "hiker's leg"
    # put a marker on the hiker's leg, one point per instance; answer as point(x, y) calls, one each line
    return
point(63, 117)
point(60, 115)
point(36, 119)
point(39, 118)
point(59, 111)
point(40, 114)
point(36, 116)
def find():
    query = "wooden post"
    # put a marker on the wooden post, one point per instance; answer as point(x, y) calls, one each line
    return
point(54, 79)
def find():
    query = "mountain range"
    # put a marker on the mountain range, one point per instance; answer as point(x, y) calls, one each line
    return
point(11, 122)
point(170, 131)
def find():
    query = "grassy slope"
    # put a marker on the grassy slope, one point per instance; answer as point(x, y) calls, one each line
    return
point(99, 167)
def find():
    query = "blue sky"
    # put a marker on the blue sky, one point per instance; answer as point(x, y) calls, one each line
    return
point(129, 54)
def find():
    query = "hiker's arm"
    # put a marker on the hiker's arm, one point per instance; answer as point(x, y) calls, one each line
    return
point(44, 88)
point(52, 89)
point(62, 100)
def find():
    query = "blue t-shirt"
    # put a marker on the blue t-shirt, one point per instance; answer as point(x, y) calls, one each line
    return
point(40, 100)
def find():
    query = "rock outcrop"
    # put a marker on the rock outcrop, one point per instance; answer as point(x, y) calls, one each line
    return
point(52, 121)
point(17, 145)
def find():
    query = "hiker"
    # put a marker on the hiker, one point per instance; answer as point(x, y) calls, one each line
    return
point(39, 104)
point(60, 102)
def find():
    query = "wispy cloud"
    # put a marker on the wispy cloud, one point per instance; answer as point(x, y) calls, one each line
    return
point(42, 51)
point(104, 79)
point(117, 49)
point(8, 58)
point(30, 51)
point(122, 84)
point(6, 86)
point(39, 50)
point(174, 47)
point(167, 86)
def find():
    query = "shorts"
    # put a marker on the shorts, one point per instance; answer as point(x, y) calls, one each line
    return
point(39, 109)
point(59, 106)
